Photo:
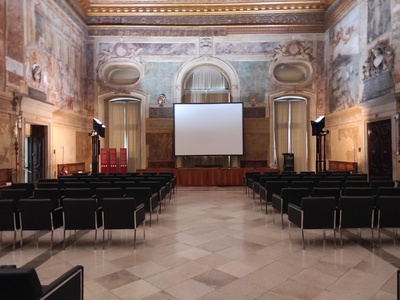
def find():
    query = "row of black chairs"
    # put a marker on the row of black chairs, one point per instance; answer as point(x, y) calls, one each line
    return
point(74, 214)
point(14, 214)
point(350, 188)
point(349, 212)
point(254, 181)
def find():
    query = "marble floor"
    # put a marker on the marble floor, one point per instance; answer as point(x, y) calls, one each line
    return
point(216, 243)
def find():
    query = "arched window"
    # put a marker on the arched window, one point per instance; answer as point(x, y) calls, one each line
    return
point(290, 130)
point(206, 85)
point(124, 127)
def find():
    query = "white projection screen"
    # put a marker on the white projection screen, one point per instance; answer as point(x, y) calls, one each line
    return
point(208, 128)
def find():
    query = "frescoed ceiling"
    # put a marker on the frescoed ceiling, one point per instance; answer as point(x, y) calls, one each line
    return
point(234, 16)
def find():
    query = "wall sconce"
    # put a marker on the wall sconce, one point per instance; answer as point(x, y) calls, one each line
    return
point(253, 100)
point(161, 100)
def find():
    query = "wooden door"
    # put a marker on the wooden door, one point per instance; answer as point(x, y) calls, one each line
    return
point(37, 153)
point(380, 148)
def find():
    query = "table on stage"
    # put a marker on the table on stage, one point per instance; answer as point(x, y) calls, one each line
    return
point(209, 176)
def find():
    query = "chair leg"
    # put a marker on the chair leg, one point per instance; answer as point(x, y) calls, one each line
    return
point(103, 235)
point(334, 237)
point(22, 239)
point(282, 221)
point(144, 229)
point(95, 239)
point(51, 241)
point(15, 238)
point(150, 218)
point(290, 231)
point(64, 239)
point(134, 238)
point(340, 234)
point(373, 239)
point(302, 239)
point(379, 236)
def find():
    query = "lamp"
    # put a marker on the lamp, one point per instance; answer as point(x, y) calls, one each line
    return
point(320, 135)
point(318, 125)
point(99, 127)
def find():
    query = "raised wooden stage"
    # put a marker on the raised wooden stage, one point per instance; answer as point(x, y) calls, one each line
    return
point(208, 176)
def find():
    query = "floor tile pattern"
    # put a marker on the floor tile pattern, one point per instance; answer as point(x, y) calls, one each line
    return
point(216, 243)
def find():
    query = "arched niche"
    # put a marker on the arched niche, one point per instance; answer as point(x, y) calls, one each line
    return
point(224, 67)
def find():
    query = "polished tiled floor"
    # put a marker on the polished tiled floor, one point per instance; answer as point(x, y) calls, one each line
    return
point(216, 243)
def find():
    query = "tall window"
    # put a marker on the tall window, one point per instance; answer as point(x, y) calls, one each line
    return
point(124, 128)
point(290, 131)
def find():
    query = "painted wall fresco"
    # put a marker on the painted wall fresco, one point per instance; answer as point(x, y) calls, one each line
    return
point(254, 79)
point(153, 48)
point(2, 40)
point(223, 48)
point(55, 61)
point(379, 18)
point(159, 79)
point(344, 63)
point(396, 39)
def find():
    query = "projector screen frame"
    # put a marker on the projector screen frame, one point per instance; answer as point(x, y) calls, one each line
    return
point(239, 138)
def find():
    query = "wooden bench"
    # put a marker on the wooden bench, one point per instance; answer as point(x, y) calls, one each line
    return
point(342, 166)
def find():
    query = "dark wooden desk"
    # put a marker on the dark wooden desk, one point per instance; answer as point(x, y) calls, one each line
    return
point(209, 176)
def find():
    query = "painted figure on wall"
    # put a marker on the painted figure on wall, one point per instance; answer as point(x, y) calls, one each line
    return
point(379, 18)
point(344, 74)
point(51, 66)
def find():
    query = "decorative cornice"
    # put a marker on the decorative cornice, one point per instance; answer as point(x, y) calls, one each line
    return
point(276, 29)
point(140, 8)
point(204, 31)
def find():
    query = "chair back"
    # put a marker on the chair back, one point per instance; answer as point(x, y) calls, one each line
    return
point(375, 184)
point(303, 184)
point(388, 191)
point(77, 193)
point(118, 213)
point(293, 195)
point(124, 184)
point(19, 284)
point(23, 185)
point(319, 212)
point(330, 183)
point(358, 191)
point(326, 192)
point(35, 214)
point(48, 184)
point(274, 187)
point(9, 218)
point(108, 192)
point(48, 193)
point(141, 195)
point(80, 213)
point(356, 211)
point(356, 183)
point(16, 194)
point(388, 211)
